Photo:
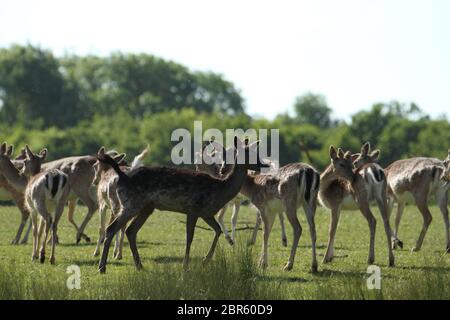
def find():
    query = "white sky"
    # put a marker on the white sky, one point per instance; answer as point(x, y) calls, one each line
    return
point(354, 52)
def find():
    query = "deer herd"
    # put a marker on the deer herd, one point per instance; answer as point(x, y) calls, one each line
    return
point(104, 181)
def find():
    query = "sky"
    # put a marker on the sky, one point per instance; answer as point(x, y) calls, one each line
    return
point(354, 52)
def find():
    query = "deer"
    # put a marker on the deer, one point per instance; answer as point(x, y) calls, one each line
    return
point(196, 194)
point(205, 162)
point(43, 191)
point(292, 186)
point(8, 192)
point(415, 181)
point(106, 181)
point(344, 187)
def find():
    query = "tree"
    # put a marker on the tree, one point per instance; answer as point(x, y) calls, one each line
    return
point(313, 109)
point(32, 90)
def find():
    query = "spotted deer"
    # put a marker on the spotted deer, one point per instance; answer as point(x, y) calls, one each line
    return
point(196, 194)
point(205, 162)
point(343, 187)
point(416, 181)
point(106, 181)
point(44, 190)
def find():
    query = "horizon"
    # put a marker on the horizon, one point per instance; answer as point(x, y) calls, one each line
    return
point(354, 54)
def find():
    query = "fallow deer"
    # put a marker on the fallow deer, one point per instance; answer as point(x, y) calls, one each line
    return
point(343, 187)
point(415, 181)
point(205, 162)
point(106, 181)
point(196, 194)
point(43, 189)
point(8, 192)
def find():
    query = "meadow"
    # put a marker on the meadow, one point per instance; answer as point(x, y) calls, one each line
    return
point(233, 273)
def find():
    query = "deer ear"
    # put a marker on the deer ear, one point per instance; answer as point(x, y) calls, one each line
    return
point(119, 157)
point(43, 153)
point(340, 153)
point(355, 156)
point(101, 151)
point(10, 151)
point(333, 153)
point(365, 148)
point(374, 155)
point(3, 148)
point(28, 152)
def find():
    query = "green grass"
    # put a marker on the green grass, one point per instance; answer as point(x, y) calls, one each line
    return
point(233, 273)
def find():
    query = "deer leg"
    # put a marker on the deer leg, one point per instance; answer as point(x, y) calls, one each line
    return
point(291, 213)
point(234, 218)
point(395, 240)
point(220, 216)
point(27, 233)
point(426, 215)
point(34, 221)
point(58, 213)
point(121, 237)
point(442, 202)
point(310, 210)
point(24, 217)
point(46, 217)
point(255, 229)
point(216, 227)
point(72, 205)
point(268, 219)
point(132, 231)
point(335, 213)
point(283, 230)
point(101, 229)
point(111, 231)
point(190, 229)
point(382, 206)
point(92, 207)
point(365, 210)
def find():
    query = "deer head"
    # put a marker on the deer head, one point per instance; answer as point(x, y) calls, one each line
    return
point(365, 156)
point(446, 173)
point(32, 163)
point(100, 167)
point(341, 163)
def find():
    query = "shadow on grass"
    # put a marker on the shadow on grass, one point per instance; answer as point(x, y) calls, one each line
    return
point(286, 279)
point(95, 262)
point(172, 259)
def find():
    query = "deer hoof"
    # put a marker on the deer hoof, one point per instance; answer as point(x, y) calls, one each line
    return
point(314, 269)
point(288, 267)
point(102, 269)
point(284, 242)
point(415, 249)
point(87, 239)
point(52, 260)
point(327, 260)
point(42, 258)
point(448, 249)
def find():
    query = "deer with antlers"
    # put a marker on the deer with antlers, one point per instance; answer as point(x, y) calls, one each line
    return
point(205, 162)
point(344, 187)
point(196, 194)
point(106, 181)
point(43, 191)
point(415, 181)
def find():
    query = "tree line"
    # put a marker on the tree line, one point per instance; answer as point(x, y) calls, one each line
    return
point(74, 104)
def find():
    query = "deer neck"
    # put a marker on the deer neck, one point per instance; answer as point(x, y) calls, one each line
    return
point(234, 180)
point(248, 186)
point(13, 175)
point(327, 178)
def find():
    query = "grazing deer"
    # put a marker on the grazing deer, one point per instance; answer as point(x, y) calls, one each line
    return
point(343, 187)
point(416, 180)
point(8, 192)
point(43, 190)
point(196, 194)
point(205, 163)
point(106, 181)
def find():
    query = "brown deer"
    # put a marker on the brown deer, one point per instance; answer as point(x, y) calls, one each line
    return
point(205, 162)
point(43, 190)
point(196, 194)
point(106, 181)
point(8, 192)
point(343, 187)
point(415, 181)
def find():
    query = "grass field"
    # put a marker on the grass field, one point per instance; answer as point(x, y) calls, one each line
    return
point(233, 273)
